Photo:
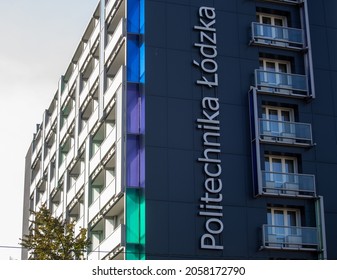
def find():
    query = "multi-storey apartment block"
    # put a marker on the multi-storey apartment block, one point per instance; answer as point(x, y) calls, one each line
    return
point(225, 149)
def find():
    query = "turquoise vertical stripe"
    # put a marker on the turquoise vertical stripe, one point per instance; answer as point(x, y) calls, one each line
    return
point(142, 63)
point(142, 17)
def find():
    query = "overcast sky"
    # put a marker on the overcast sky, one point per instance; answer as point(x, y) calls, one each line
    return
point(38, 40)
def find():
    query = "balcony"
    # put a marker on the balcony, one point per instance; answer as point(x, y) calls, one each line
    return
point(287, 133)
point(37, 150)
point(50, 123)
point(90, 45)
point(118, 80)
point(75, 187)
point(49, 155)
point(103, 150)
point(67, 160)
point(52, 185)
point(88, 127)
point(65, 94)
point(288, 184)
point(277, 36)
point(72, 79)
point(79, 224)
point(290, 238)
point(59, 210)
point(115, 42)
point(111, 7)
point(42, 201)
point(105, 196)
point(111, 243)
point(68, 123)
point(272, 82)
point(36, 181)
point(90, 85)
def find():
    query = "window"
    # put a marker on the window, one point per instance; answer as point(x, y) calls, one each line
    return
point(277, 121)
point(271, 29)
point(273, 65)
point(280, 164)
point(283, 228)
point(280, 173)
point(271, 19)
point(283, 221)
point(280, 177)
point(275, 74)
point(278, 125)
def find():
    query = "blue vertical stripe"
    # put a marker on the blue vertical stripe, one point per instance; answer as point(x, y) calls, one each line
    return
point(134, 16)
point(133, 61)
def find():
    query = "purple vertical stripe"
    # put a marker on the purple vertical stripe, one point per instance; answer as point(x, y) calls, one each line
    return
point(132, 161)
point(133, 109)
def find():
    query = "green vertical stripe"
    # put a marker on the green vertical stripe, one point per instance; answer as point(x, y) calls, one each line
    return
point(135, 224)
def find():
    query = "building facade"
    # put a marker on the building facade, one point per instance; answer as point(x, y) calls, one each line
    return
point(195, 129)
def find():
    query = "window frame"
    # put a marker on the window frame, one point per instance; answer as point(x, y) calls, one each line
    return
point(279, 178)
point(286, 229)
point(280, 123)
point(276, 62)
point(272, 17)
point(283, 159)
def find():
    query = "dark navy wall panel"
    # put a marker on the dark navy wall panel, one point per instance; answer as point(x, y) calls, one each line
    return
point(330, 13)
point(332, 44)
point(324, 103)
point(183, 59)
point(333, 75)
point(157, 58)
point(327, 175)
point(316, 12)
point(182, 236)
point(174, 177)
point(181, 175)
point(180, 124)
point(330, 221)
point(157, 212)
point(326, 149)
point(320, 48)
point(156, 117)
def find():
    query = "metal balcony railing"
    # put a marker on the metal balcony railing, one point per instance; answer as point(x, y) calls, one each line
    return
point(289, 184)
point(293, 133)
point(290, 237)
point(281, 83)
point(277, 36)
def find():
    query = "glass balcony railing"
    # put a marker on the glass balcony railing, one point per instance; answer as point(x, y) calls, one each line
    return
point(281, 83)
point(292, 133)
point(292, 238)
point(289, 184)
point(278, 36)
